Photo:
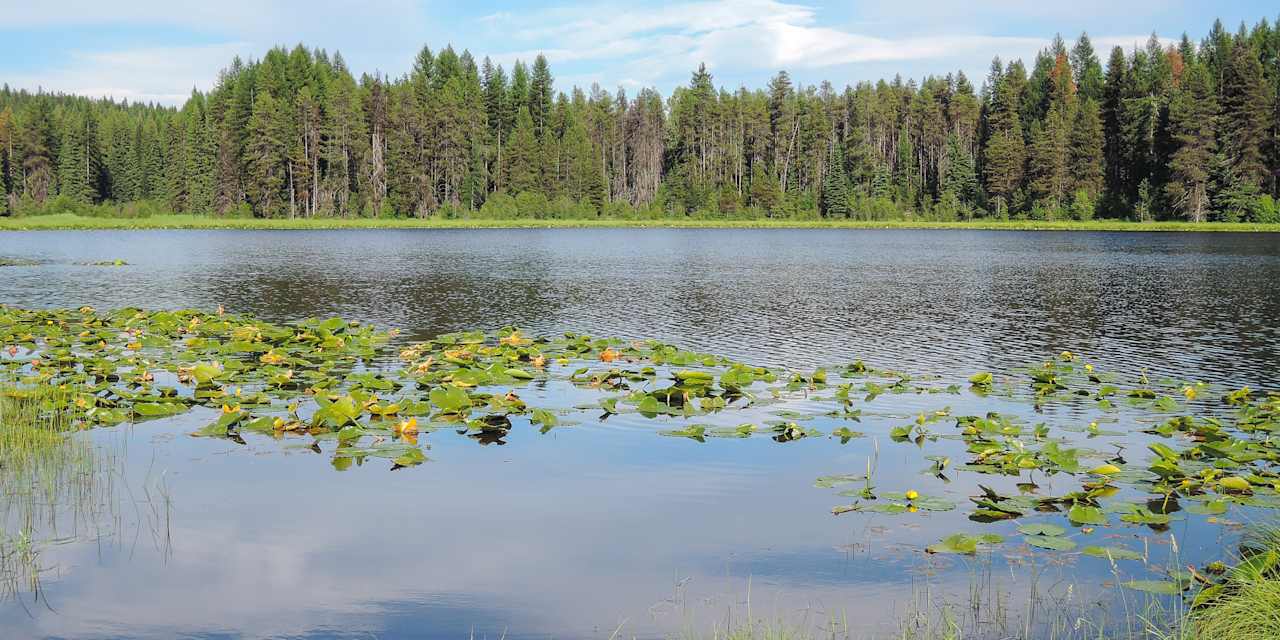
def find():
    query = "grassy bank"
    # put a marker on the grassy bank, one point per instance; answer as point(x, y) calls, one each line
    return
point(71, 221)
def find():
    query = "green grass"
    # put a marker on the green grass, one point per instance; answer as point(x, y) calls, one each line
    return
point(1248, 607)
point(48, 478)
point(72, 221)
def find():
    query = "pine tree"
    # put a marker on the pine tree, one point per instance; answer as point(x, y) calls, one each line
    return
point(135, 164)
point(1191, 122)
point(764, 190)
point(583, 172)
point(1114, 91)
point(8, 159)
point(265, 156)
point(1246, 114)
point(201, 163)
point(522, 171)
point(1087, 163)
point(834, 200)
point(1088, 70)
point(1048, 160)
point(422, 76)
point(496, 104)
point(175, 162)
point(154, 160)
point(961, 178)
point(540, 92)
point(1004, 156)
point(79, 162)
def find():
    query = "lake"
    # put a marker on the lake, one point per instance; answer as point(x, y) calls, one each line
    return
point(607, 527)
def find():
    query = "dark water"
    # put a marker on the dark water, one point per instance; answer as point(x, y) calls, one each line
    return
point(585, 530)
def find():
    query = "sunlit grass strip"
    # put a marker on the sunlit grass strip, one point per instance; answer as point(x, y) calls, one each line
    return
point(75, 222)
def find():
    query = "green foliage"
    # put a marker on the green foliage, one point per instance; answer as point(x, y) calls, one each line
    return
point(834, 202)
point(297, 135)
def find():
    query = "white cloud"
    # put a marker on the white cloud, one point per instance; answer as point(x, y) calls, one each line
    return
point(154, 74)
point(742, 41)
point(655, 46)
point(745, 39)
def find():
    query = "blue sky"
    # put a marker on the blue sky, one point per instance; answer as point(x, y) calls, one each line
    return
point(157, 50)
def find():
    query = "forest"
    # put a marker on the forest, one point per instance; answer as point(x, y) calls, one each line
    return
point(1184, 131)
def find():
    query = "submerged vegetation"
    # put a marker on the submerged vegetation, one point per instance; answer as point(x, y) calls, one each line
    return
point(1159, 132)
point(45, 474)
point(1105, 454)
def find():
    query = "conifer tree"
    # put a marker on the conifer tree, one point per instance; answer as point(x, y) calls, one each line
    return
point(1088, 70)
point(540, 94)
point(1087, 163)
point(79, 162)
point(201, 161)
point(961, 178)
point(265, 156)
point(834, 200)
point(1112, 108)
point(8, 170)
point(764, 191)
point(1004, 156)
point(1246, 114)
point(522, 167)
point(1191, 122)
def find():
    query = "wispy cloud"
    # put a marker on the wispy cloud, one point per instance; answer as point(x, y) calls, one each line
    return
point(610, 42)
point(153, 74)
point(654, 44)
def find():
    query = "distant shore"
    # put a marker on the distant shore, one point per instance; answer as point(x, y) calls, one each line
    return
point(75, 222)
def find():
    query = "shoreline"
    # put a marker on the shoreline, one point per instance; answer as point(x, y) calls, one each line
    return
point(71, 222)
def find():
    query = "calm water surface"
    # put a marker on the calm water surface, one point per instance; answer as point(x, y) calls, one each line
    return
point(586, 529)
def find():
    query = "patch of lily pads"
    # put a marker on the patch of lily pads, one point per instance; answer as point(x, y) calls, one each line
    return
point(360, 394)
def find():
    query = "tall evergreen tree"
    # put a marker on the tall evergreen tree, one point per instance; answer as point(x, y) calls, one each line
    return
point(834, 200)
point(1191, 119)
point(79, 162)
point(540, 92)
point(1087, 163)
point(266, 157)
point(522, 170)
point(1246, 115)
point(1088, 70)
point(1005, 153)
point(961, 178)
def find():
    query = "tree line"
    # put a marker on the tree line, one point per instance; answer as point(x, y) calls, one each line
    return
point(1189, 131)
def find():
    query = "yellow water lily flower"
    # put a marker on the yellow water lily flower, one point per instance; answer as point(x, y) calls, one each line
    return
point(912, 494)
point(1190, 392)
